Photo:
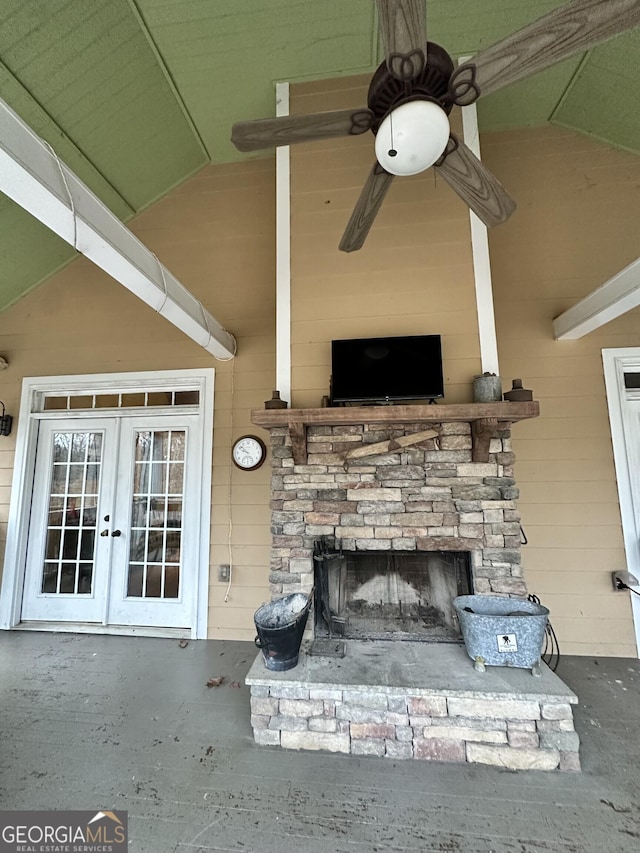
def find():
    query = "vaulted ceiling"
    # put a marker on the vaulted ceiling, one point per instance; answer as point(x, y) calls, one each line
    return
point(136, 95)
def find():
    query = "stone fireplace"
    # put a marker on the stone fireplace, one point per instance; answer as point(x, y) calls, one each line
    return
point(411, 505)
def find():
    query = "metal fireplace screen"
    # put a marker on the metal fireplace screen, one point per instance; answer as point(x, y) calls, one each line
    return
point(388, 595)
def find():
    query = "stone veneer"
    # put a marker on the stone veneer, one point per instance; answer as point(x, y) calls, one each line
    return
point(503, 717)
point(429, 496)
point(426, 497)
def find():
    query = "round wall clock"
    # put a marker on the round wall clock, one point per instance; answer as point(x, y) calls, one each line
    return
point(248, 452)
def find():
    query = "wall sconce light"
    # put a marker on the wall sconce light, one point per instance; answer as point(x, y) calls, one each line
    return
point(6, 422)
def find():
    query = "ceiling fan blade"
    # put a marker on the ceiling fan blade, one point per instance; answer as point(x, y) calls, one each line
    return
point(476, 185)
point(366, 209)
point(403, 30)
point(574, 27)
point(288, 130)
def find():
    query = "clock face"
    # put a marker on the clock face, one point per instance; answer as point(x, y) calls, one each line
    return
point(249, 452)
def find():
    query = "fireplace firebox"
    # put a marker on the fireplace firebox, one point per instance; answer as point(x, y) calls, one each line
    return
point(388, 595)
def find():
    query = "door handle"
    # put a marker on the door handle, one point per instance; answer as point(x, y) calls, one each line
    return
point(104, 533)
point(117, 533)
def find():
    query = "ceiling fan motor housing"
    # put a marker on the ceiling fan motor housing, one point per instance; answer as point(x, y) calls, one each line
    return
point(387, 92)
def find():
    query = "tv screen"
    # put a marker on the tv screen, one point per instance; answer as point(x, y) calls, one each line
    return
point(376, 370)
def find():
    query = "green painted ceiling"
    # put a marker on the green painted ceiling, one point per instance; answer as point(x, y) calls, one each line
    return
point(136, 95)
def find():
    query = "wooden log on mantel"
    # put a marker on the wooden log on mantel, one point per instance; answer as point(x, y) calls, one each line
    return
point(485, 419)
point(390, 446)
point(445, 413)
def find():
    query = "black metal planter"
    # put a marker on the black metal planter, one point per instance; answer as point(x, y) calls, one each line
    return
point(280, 625)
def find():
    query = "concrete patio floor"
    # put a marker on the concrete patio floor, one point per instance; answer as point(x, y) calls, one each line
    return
point(95, 722)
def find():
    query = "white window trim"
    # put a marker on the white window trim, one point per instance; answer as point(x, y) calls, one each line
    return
point(18, 521)
point(616, 362)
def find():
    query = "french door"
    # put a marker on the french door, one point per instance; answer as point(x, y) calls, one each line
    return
point(109, 539)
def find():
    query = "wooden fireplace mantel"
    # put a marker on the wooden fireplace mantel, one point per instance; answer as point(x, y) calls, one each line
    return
point(485, 419)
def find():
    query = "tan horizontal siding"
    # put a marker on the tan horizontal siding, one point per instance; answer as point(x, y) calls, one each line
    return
point(215, 233)
point(554, 512)
point(557, 581)
point(576, 225)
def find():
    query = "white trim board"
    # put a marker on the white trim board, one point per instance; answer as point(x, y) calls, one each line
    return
point(616, 362)
point(615, 297)
point(480, 254)
point(17, 527)
point(35, 178)
point(283, 254)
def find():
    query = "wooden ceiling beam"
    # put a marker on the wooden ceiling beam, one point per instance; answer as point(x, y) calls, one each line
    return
point(35, 178)
point(615, 297)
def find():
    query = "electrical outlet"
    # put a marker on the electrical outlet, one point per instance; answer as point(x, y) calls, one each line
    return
point(622, 580)
point(224, 572)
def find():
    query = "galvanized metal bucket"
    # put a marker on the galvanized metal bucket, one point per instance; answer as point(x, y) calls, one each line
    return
point(502, 631)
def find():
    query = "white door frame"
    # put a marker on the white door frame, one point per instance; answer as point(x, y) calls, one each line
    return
point(616, 363)
point(33, 391)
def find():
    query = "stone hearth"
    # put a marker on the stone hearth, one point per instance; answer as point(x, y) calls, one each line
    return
point(402, 479)
point(416, 700)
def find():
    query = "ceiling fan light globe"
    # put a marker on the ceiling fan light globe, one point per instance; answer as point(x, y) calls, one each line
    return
point(412, 138)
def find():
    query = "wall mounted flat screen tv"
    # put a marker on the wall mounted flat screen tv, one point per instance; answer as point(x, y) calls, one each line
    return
point(381, 370)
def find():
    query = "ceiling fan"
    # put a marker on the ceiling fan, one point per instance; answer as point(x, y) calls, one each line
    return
point(414, 90)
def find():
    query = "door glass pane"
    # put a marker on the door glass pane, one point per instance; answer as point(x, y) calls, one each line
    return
point(72, 511)
point(61, 446)
point(71, 521)
point(79, 401)
point(59, 478)
point(52, 549)
point(143, 446)
point(68, 578)
point(90, 509)
point(53, 403)
point(139, 511)
point(106, 401)
point(141, 479)
point(176, 475)
point(156, 514)
point(187, 398)
point(158, 478)
point(133, 400)
point(159, 398)
point(76, 479)
point(91, 485)
point(78, 447)
point(161, 445)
